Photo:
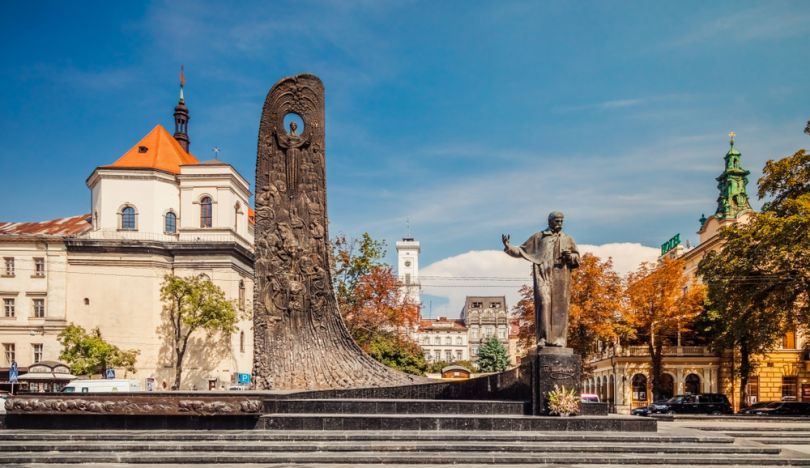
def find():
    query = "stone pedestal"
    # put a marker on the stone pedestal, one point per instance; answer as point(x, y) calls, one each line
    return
point(553, 366)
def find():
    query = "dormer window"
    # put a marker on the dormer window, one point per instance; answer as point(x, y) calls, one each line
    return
point(170, 224)
point(206, 213)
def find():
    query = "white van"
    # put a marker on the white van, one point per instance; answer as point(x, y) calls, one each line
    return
point(101, 386)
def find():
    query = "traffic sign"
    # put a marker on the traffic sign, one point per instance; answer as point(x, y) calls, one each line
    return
point(110, 374)
point(13, 372)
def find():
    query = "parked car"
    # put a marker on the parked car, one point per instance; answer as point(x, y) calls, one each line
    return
point(702, 403)
point(589, 398)
point(750, 409)
point(652, 408)
point(780, 408)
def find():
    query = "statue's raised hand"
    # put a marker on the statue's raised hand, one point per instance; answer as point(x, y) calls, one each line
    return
point(505, 240)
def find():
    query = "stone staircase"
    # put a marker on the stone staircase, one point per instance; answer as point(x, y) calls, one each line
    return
point(343, 432)
point(792, 435)
point(358, 448)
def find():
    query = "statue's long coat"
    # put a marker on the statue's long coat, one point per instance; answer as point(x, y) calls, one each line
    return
point(552, 278)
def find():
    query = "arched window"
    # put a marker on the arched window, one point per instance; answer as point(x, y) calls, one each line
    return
point(639, 383)
point(237, 210)
point(241, 342)
point(170, 224)
point(692, 384)
point(128, 219)
point(242, 294)
point(206, 213)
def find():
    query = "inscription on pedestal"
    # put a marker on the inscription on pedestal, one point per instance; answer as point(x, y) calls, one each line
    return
point(553, 367)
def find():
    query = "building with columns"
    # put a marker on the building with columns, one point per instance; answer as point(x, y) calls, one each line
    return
point(156, 210)
point(621, 374)
point(486, 316)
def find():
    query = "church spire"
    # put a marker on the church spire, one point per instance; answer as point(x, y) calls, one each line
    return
point(732, 184)
point(181, 116)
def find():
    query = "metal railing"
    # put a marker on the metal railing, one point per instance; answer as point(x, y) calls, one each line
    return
point(195, 236)
point(629, 351)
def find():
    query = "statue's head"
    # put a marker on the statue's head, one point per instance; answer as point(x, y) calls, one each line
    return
point(555, 221)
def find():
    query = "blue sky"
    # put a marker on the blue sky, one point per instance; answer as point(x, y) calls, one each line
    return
point(469, 118)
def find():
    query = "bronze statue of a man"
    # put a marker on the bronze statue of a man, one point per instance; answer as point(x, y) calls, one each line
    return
point(553, 255)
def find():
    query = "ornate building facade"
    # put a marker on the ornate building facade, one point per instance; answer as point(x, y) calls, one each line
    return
point(156, 210)
point(621, 375)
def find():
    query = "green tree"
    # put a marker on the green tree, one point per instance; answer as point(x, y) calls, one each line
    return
point(758, 282)
point(194, 303)
point(88, 353)
point(399, 353)
point(375, 313)
point(351, 261)
point(492, 356)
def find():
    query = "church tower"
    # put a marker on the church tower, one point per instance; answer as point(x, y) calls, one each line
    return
point(408, 268)
point(732, 183)
point(181, 116)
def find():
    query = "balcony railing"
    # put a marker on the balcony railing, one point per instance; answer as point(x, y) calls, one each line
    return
point(194, 236)
point(630, 351)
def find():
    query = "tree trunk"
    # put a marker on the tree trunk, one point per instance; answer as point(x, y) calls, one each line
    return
point(300, 340)
point(656, 359)
point(178, 369)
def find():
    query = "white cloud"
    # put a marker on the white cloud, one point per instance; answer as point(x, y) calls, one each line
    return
point(764, 22)
point(493, 273)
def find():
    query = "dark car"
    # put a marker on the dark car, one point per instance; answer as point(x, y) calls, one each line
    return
point(756, 406)
point(780, 408)
point(646, 410)
point(702, 403)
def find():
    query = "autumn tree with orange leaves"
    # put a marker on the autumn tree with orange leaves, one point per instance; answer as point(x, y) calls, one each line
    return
point(593, 313)
point(659, 303)
point(369, 298)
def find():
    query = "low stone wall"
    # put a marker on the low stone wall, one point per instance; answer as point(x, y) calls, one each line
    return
point(133, 411)
point(512, 384)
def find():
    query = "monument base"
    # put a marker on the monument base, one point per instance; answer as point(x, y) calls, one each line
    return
point(552, 367)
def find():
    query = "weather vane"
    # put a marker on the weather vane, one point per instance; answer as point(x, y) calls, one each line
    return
point(216, 151)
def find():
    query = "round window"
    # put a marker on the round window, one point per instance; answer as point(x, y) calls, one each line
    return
point(407, 263)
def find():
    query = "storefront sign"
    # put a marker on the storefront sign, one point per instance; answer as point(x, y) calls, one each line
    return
point(671, 244)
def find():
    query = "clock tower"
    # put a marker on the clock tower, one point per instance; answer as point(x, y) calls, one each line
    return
point(408, 269)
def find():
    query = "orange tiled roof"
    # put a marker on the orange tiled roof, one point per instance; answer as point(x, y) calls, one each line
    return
point(157, 150)
point(251, 215)
point(72, 226)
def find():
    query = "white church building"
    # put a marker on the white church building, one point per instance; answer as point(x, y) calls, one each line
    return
point(154, 211)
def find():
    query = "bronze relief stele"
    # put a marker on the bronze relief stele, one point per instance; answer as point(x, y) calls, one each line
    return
point(300, 340)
